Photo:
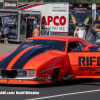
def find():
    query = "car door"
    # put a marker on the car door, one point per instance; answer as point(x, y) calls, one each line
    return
point(83, 64)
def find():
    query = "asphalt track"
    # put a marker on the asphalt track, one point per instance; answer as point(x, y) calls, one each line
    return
point(66, 90)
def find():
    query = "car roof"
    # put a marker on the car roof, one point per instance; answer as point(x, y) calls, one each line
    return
point(57, 37)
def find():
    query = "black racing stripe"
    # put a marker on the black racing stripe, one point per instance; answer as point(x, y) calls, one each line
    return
point(20, 6)
point(27, 56)
point(4, 63)
point(26, 5)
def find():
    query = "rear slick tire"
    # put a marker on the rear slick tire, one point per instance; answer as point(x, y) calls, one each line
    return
point(54, 76)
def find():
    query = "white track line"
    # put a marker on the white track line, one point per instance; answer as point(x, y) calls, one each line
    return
point(64, 95)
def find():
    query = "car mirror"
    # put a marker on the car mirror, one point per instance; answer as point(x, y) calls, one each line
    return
point(85, 44)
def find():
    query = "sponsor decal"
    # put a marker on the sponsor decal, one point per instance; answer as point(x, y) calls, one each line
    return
point(89, 69)
point(5, 5)
point(80, 8)
point(98, 5)
point(29, 40)
point(10, 4)
point(59, 9)
point(80, 5)
point(96, 70)
point(80, 11)
point(88, 61)
point(56, 22)
point(71, 5)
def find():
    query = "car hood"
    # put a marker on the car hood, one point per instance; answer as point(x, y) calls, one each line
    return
point(27, 57)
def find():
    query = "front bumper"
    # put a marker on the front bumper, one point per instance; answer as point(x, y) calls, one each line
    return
point(24, 81)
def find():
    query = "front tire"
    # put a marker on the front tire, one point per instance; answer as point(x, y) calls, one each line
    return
point(54, 76)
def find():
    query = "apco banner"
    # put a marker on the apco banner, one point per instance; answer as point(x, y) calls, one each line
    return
point(9, 4)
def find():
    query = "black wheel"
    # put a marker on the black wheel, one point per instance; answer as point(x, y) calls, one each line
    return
point(54, 76)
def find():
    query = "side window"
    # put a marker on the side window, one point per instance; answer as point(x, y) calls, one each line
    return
point(74, 47)
point(93, 49)
point(82, 45)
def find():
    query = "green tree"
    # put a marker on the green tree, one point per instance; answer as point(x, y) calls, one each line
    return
point(74, 1)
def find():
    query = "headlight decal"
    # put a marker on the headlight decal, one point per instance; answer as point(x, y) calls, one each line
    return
point(31, 73)
point(22, 73)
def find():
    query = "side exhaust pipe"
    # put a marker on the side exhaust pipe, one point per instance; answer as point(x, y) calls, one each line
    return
point(67, 78)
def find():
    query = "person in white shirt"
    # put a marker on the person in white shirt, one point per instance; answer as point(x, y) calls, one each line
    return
point(81, 33)
point(76, 29)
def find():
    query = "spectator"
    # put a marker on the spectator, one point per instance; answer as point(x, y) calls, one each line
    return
point(29, 29)
point(92, 31)
point(0, 33)
point(6, 29)
point(81, 33)
point(76, 29)
point(48, 32)
point(34, 25)
point(36, 31)
point(45, 31)
point(41, 32)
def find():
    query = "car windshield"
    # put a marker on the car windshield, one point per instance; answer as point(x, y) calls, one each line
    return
point(51, 44)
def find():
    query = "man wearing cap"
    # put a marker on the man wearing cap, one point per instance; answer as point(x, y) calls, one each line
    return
point(36, 31)
point(92, 31)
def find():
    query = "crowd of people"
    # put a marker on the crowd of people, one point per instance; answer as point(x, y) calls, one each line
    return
point(46, 31)
point(79, 32)
point(33, 30)
point(89, 35)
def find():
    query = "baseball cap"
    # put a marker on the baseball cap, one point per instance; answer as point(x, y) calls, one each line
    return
point(37, 25)
point(77, 28)
point(81, 28)
point(96, 21)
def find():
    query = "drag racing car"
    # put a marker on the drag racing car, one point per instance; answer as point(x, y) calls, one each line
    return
point(48, 59)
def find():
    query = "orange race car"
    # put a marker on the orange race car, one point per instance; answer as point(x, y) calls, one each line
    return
point(48, 59)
